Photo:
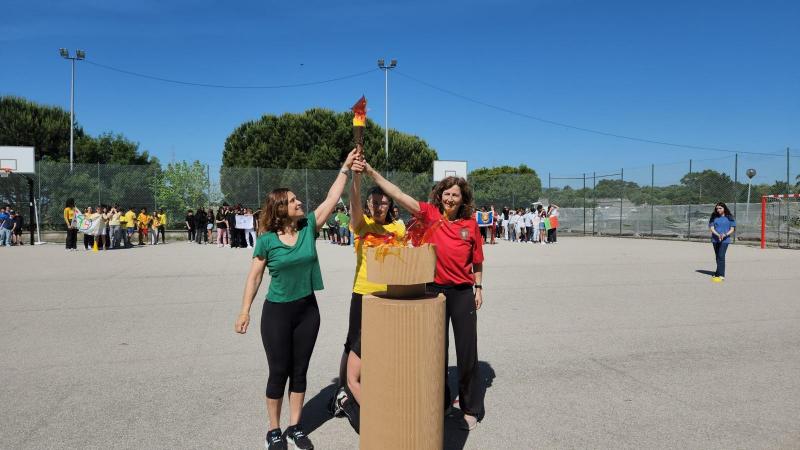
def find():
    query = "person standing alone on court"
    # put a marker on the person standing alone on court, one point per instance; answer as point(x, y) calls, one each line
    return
point(722, 226)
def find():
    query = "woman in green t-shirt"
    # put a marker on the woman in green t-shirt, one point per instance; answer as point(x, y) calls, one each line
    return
point(290, 316)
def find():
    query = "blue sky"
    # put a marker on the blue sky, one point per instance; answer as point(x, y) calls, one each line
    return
point(720, 74)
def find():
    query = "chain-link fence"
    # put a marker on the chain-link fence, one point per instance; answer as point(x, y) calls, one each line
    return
point(665, 200)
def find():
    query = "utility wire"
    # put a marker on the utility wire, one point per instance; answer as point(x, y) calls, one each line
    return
point(224, 86)
point(573, 127)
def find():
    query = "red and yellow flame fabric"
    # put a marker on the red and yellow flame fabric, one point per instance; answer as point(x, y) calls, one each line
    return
point(360, 112)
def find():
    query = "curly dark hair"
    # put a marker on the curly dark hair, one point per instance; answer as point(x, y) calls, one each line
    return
point(467, 208)
point(275, 211)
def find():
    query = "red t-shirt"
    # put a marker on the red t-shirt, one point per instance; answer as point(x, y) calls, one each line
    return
point(459, 245)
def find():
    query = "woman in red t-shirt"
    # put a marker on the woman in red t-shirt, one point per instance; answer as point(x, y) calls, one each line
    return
point(459, 268)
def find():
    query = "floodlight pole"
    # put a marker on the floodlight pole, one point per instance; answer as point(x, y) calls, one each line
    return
point(79, 54)
point(382, 65)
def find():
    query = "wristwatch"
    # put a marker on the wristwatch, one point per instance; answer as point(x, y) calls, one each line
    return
point(478, 286)
point(344, 170)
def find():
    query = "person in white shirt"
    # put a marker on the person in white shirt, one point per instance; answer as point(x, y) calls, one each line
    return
point(512, 220)
point(519, 225)
point(528, 220)
point(504, 223)
point(535, 221)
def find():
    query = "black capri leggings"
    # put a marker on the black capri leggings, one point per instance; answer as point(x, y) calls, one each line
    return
point(353, 340)
point(289, 332)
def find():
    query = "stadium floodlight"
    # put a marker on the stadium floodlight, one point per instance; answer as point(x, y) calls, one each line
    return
point(750, 174)
point(382, 65)
point(79, 55)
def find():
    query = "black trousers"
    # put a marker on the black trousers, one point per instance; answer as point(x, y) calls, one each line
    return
point(190, 232)
point(353, 339)
point(552, 235)
point(72, 239)
point(161, 232)
point(289, 331)
point(460, 306)
point(88, 241)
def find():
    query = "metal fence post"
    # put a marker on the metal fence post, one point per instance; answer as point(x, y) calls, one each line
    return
point(788, 202)
point(735, 188)
point(594, 198)
point(208, 181)
point(652, 199)
point(621, 194)
point(689, 211)
point(258, 186)
point(584, 203)
point(99, 202)
point(308, 199)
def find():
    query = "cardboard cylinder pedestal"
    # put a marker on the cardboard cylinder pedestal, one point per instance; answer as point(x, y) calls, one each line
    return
point(402, 373)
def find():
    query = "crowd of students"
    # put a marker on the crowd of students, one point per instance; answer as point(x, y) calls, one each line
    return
point(204, 226)
point(113, 226)
point(525, 225)
point(11, 226)
point(116, 227)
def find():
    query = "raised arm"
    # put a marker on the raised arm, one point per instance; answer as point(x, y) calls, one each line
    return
point(402, 199)
point(356, 208)
point(325, 208)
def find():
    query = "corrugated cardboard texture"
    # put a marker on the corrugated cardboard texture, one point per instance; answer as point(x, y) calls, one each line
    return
point(401, 265)
point(402, 373)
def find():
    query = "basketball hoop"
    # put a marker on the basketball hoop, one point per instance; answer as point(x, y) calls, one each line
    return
point(5, 172)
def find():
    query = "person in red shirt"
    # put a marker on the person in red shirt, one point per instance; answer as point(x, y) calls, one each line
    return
point(459, 269)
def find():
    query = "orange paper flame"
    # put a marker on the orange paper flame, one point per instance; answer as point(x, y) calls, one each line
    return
point(417, 235)
point(360, 112)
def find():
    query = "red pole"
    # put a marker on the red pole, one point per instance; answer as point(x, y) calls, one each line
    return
point(763, 221)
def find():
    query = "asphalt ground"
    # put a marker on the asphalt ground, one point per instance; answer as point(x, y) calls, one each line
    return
point(590, 343)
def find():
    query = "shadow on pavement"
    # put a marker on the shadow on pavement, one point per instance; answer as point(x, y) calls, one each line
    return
point(454, 437)
point(316, 413)
point(705, 272)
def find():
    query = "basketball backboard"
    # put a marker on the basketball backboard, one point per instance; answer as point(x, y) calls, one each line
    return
point(18, 159)
point(444, 169)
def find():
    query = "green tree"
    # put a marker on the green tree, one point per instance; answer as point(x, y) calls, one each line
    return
point(308, 148)
point(180, 187)
point(708, 186)
point(108, 169)
point(505, 186)
point(46, 128)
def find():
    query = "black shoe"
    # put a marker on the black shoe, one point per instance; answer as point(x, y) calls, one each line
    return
point(297, 437)
point(275, 440)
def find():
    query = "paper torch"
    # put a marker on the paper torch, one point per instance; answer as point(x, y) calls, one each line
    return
point(359, 121)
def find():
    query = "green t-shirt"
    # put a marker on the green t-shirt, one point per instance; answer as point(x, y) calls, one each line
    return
point(294, 269)
point(344, 220)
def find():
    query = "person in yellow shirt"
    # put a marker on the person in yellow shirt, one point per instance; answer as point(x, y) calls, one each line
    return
point(130, 226)
point(144, 225)
point(72, 229)
point(373, 219)
point(162, 227)
point(155, 223)
point(116, 225)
